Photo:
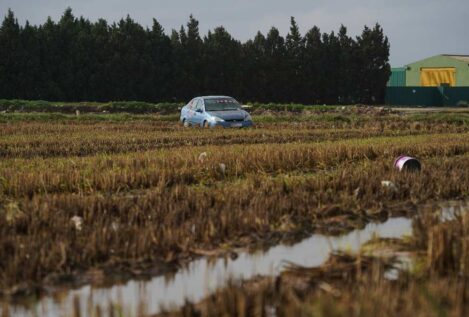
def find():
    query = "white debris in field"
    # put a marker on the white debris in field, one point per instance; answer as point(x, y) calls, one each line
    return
point(202, 157)
point(13, 212)
point(357, 192)
point(77, 222)
point(115, 225)
point(328, 288)
point(390, 185)
point(222, 168)
point(270, 311)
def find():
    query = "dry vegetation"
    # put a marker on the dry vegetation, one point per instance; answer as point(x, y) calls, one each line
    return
point(137, 198)
point(355, 285)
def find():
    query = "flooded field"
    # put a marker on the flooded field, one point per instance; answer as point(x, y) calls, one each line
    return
point(203, 276)
point(146, 217)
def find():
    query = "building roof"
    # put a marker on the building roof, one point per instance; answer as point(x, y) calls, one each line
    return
point(456, 57)
point(462, 58)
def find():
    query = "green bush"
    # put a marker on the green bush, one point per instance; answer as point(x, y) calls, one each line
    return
point(290, 107)
point(452, 118)
point(134, 107)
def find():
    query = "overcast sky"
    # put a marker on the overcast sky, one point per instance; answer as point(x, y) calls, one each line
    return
point(416, 28)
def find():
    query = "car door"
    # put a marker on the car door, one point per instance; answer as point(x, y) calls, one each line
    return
point(186, 111)
point(191, 111)
point(198, 117)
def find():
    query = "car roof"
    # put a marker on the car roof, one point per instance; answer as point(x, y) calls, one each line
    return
point(215, 97)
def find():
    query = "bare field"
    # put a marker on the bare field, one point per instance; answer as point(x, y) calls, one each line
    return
point(98, 201)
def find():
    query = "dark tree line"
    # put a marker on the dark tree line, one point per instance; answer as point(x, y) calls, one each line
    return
point(78, 60)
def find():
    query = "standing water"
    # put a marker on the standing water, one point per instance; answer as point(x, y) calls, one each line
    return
point(203, 276)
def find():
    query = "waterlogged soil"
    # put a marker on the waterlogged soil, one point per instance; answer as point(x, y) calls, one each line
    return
point(203, 276)
point(134, 212)
point(335, 221)
point(199, 278)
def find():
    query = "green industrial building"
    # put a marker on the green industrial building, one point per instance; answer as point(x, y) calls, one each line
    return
point(441, 80)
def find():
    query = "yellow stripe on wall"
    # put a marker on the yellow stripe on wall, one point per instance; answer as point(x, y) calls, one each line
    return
point(436, 76)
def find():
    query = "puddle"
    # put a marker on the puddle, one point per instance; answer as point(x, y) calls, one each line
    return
point(204, 275)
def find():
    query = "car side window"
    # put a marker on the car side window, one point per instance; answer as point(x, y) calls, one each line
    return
point(199, 105)
point(191, 104)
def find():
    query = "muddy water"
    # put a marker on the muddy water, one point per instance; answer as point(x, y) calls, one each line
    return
point(203, 276)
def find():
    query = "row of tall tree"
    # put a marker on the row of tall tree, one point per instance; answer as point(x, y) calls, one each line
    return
point(75, 59)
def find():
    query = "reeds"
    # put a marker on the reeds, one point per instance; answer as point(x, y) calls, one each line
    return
point(146, 200)
point(356, 285)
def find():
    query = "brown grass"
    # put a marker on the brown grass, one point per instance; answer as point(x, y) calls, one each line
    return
point(354, 285)
point(146, 200)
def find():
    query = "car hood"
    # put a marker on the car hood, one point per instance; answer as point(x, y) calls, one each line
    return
point(229, 115)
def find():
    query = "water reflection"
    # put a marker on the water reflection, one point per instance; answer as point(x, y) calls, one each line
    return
point(203, 276)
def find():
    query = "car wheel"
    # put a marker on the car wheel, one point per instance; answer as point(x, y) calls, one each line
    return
point(185, 123)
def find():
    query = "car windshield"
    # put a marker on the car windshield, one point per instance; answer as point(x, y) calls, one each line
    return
point(221, 104)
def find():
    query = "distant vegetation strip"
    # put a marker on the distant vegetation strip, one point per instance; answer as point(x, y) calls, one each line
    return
point(135, 107)
point(122, 111)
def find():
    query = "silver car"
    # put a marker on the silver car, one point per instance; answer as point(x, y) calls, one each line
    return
point(212, 111)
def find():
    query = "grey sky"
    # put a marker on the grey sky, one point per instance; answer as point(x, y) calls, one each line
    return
point(416, 28)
